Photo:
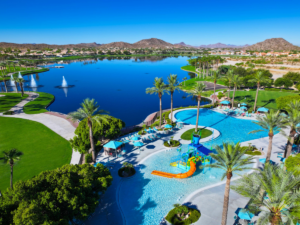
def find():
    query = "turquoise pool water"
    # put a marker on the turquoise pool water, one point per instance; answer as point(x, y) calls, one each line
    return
point(146, 198)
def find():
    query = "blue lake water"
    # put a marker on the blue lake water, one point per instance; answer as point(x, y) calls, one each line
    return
point(117, 85)
point(146, 198)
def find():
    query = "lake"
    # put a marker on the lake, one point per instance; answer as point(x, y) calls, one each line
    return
point(117, 85)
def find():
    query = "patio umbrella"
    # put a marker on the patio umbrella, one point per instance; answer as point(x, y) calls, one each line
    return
point(262, 109)
point(113, 144)
point(138, 144)
point(225, 102)
point(244, 214)
point(168, 126)
point(244, 108)
point(135, 138)
point(243, 104)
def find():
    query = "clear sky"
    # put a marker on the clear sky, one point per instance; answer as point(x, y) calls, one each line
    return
point(194, 22)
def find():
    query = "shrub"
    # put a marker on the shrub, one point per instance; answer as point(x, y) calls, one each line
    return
point(127, 170)
point(88, 158)
point(9, 113)
point(220, 95)
point(173, 143)
point(298, 86)
point(173, 218)
point(283, 90)
point(283, 82)
point(292, 163)
point(281, 102)
point(253, 153)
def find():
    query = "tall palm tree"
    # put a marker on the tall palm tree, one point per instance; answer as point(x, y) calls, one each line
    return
point(231, 159)
point(197, 92)
point(216, 76)
point(10, 157)
point(228, 78)
point(292, 122)
point(20, 81)
point(14, 80)
point(2, 76)
point(159, 88)
point(258, 78)
point(273, 193)
point(90, 110)
point(273, 122)
point(173, 85)
point(236, 82)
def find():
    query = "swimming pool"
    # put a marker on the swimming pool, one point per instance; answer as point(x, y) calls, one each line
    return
point(145, 198)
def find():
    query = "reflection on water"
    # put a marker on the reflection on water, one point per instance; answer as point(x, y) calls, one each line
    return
point(118, 86)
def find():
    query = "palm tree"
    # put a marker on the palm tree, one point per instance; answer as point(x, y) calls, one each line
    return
point(159, 88)
point(173, 85)
point(90, 110)
point(231, 159)
point(14, 79)
point(228, 77)
point(197, 91)
point(236, 82)
point(2, 76)
point(273, 122)
point(292, 122)
point(259, 78)
point(20, 81)
point(216, 76)
point(184, 79)
point(10, 157)
point(273, 194)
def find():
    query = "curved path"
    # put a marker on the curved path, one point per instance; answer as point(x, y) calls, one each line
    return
point(58, 123)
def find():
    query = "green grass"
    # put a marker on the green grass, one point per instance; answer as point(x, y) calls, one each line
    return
point(265, 98)
point(189, 68)
point(39, 104)
point(188, 134)
point(43, 149)
point(24, 72)
point(10, 100)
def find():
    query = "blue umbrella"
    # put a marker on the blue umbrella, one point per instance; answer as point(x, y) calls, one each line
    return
point(244, 214)
point(113, 144)
point(243, 107)
point(168, 126)
point(262, 109)
point(225, 102)
point(179, 121)
point(243, 104)
point(135, 138)
point(138, 144)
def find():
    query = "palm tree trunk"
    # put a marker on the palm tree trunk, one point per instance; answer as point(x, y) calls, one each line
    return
point(226, 199)
point(290, 143)
point(233, 96)
point(171, 107)
point(92, 141)
point(256, 97)
point(4, 81)
point(214, 91)
point(16, 86)
point(11, 176)
point(159, 110)
point(270, 146)
point(21, 86)
point(198, 108)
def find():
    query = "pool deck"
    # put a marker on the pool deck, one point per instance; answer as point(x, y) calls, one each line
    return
point(208, 200)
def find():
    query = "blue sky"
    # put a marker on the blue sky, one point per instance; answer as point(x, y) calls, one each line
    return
point(193, 22)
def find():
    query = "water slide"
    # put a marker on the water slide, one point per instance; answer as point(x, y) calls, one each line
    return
point(179, 175)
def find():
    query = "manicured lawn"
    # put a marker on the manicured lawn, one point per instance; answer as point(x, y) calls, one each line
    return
point(43, 149)
point(188, 134)
point(10, 100)
point(24, 71)
point(265, 98)
point(39, 104)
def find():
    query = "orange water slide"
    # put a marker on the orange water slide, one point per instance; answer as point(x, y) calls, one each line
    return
point(179, 175)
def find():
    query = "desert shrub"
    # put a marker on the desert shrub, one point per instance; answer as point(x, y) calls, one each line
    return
point(88, 158)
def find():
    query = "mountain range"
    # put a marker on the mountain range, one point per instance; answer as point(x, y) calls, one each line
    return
point(276, 44)
point(217, 45)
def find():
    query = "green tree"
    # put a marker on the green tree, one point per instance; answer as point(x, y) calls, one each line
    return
point(90, 110)
point(292, 164)
point(283, 101)
point(228, 78)
point(279, 82)
point(10, 157)
point(216, 76)
point(259, 78)
point(2, 76)
point(236, 82)
point(197, 92)
point(272, 122)
point(58, 196)
point(173, 85)
point(159, 88)
point(231, 159)
point(282, 200)
point(292, 76)
point(81, 141)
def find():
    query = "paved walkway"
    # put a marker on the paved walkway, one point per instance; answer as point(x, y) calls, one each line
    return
point(58, 124)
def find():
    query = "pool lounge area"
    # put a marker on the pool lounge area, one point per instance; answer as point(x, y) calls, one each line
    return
point(146, 198)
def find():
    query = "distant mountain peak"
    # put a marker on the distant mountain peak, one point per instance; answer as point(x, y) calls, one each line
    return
point(276, 44)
